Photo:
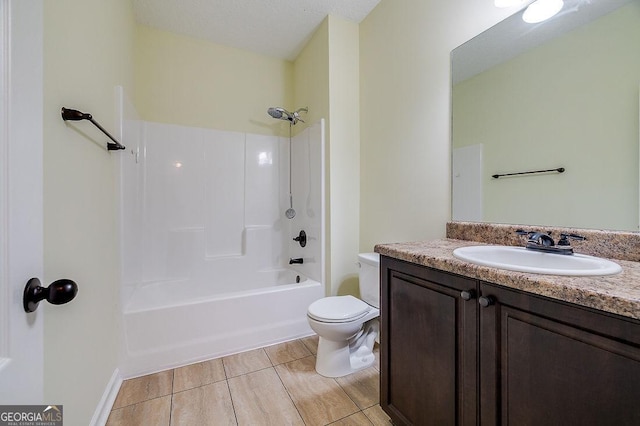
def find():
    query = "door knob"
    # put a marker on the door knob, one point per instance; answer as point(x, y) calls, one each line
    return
point(59, 292)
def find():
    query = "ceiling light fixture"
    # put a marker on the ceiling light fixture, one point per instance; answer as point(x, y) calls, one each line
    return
point(541, 10)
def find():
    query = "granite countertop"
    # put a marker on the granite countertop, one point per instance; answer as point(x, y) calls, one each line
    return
point(618, 294)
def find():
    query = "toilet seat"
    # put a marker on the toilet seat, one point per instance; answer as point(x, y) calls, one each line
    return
point(338, 309)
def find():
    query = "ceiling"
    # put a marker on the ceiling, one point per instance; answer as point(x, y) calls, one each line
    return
point(513, 36)
point(277, 28)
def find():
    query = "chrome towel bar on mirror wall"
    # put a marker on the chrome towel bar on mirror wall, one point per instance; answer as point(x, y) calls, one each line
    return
point(75, 115)
point(558, 170)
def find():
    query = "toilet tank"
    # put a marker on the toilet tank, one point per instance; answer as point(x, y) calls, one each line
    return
point(369, 273)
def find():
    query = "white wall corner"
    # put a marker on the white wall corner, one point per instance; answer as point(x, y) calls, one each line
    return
point(101, 415)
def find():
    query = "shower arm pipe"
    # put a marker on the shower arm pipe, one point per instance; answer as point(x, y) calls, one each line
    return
point(75, 115)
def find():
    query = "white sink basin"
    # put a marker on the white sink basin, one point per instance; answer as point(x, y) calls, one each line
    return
point(525, 260)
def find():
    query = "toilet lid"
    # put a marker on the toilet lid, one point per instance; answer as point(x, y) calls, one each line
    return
point(338, 309)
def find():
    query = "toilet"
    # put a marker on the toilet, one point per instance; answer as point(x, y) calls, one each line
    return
point(348, 326)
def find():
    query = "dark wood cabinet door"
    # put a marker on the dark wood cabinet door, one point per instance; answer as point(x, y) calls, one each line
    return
point(544, 362)
point(428, 345)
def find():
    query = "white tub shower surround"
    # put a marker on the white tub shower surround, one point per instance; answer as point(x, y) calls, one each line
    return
point(206, 245)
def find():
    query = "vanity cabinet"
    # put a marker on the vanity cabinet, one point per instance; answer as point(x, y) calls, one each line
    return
point(458, 351)
point(428, 345)
point(545, 362)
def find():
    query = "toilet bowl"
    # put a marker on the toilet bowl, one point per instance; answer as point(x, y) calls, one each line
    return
point(348, 326)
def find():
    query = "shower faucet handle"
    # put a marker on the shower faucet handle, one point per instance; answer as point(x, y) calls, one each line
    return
point(301, 238)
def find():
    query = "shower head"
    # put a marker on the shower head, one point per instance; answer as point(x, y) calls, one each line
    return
point(282, 114)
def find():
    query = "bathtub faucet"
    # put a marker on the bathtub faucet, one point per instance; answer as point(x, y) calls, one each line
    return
point(296, 260)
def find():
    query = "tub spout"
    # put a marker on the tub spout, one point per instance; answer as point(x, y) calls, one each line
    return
point(296, 260)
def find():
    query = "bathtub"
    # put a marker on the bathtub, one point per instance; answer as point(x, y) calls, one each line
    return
point(174, 323)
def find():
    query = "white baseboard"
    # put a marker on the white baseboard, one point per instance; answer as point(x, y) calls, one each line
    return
point(103, 409)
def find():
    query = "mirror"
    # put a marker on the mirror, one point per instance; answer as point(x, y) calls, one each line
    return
point(563, 93)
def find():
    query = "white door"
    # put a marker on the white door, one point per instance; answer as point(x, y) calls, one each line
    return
point(21, 339)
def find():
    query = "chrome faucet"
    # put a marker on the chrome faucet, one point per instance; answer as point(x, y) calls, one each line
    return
point(541, 241)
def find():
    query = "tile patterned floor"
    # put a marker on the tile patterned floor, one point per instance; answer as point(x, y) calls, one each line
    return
point(276, 385)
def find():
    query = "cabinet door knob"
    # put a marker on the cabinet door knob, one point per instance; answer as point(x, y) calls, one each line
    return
point(485, 301)
point(467, 294)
